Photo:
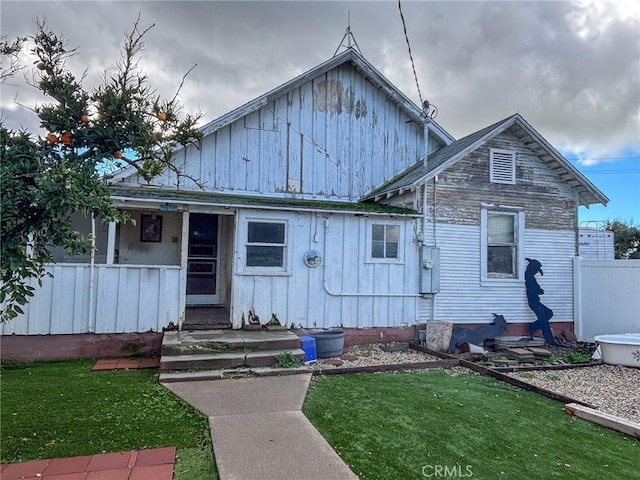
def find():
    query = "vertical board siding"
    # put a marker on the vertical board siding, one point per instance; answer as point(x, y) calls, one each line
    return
point(464, 299)
point(126, 299)
point(322, 297)
point(608, 297)
point(336, 136)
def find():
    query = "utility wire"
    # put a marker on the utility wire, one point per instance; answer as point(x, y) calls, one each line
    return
point(415, 75)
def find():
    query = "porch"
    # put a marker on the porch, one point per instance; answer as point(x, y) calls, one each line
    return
point(160, 270)
point(80, 298)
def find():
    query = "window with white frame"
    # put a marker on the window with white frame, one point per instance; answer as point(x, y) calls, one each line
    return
point(502, 166)
point(384, 241)
point(502, 244)
point(266, 244)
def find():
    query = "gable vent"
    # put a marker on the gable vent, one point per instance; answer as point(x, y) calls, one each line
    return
point(502, 166)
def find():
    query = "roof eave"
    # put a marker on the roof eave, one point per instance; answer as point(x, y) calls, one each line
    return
point(588, 194)
point(592, 191)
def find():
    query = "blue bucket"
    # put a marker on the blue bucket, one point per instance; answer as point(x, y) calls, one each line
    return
point(308, 345)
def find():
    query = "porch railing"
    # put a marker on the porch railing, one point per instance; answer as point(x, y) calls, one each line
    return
point(123, 299)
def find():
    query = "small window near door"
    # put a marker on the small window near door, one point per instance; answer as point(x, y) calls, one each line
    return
point(266, 244)
point(384, 241)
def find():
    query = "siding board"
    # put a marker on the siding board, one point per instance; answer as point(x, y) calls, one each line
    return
point(548, 202)
point(300, 296)
point(116, 289)
point(346, 138)
point(462, 297)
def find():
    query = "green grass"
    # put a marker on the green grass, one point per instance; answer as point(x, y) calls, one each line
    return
point(405, 425)
point(64, 409)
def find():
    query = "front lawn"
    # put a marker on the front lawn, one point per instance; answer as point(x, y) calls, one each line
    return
point(64, 409)
point(435, 425)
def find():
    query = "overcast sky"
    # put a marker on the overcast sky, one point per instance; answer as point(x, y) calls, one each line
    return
point(571, 69)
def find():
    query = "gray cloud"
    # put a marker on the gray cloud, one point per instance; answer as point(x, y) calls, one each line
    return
point(571, 69)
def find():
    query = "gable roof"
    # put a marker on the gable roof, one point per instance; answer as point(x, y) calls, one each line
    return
point(350, 56)
point(443, 158)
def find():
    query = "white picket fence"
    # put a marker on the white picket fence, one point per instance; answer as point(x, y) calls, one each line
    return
point(124, 299)
point(606, 297)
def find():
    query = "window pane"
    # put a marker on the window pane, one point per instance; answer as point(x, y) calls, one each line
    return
point(377, 233)
point(392, 250)
point(265, 256)
point(392, 233)
point(263, 232)
point(500, 260)
point(203, 228)
point(377, 250)
point(384, 241)
point(201, 284)
point(500, 229)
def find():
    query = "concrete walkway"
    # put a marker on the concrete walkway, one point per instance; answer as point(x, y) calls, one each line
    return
point(259, 431)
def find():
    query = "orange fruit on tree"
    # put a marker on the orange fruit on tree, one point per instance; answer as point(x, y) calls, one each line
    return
point(66, 138)
point(42, 65)
point(84, 119)
point(117, 155)
point(162, 116)
point(52, 138)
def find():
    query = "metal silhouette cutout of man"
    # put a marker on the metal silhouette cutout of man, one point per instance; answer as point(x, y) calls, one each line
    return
point(543, 313)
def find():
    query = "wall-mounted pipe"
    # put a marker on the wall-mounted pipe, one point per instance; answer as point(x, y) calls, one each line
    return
point(424, 188)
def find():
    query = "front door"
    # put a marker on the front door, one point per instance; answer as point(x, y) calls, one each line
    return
point(202, 263)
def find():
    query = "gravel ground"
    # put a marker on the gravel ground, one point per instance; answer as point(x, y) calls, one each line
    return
point(613, 389)
point(373, 354)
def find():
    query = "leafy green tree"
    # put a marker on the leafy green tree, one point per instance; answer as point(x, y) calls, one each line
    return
point(626, 239)
point(44, 180)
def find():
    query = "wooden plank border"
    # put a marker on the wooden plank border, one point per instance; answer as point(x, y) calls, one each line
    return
point(498, 375)
point(568, 366)
point(604, 419)
point(387, 368)
point(521, 384)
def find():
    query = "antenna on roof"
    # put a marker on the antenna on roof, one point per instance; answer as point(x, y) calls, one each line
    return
point(350, 39)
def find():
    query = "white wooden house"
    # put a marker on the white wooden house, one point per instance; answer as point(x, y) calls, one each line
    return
point(330, 201)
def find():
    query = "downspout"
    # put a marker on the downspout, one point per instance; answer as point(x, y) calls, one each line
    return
point(92, 272)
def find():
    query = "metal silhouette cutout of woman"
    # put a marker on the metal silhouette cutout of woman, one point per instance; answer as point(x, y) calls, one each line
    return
point(543, 313)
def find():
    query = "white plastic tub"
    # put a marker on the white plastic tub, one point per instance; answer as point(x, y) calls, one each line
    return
point(622, 349)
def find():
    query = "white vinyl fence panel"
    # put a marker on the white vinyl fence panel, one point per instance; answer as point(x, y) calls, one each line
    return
point(126, 299)
point(607, 297)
